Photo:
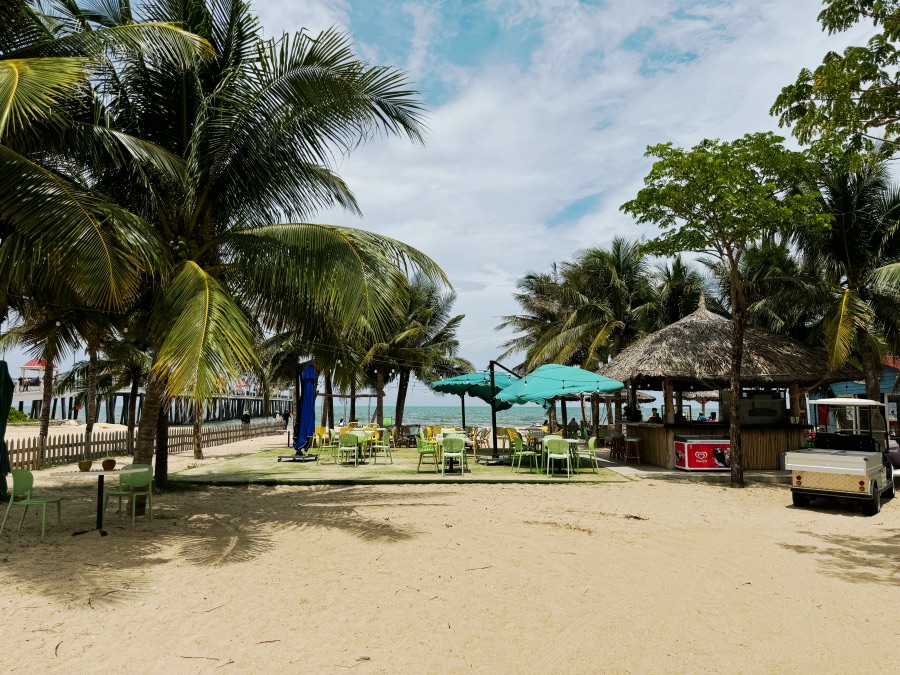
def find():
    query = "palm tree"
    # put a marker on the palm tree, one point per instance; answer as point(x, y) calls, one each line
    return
point(57, 231)
point(421, 342)
point(676, 292)
point(251, 136)
point(857, 262)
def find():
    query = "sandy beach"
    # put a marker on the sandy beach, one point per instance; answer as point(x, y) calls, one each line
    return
point(638, 576)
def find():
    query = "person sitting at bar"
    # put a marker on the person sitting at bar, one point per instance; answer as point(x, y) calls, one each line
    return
point(654, 417)
point(680, 418)
point(701, 417)
point(712, 417)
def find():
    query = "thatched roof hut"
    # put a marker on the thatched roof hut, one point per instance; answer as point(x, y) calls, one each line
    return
point(695, 353)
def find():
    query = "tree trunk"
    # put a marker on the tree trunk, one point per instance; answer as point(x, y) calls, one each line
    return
point(161, 476)
point(352, 402)
point(329, 401)
point(45, 406)
point(402, 388)
point(154, 398)
point(379, 397)
point(267, 400)
point(595, 418)
point(91, 399)
point(198, 429)
point(739, 323)
point(552, 417)
point(132, 413)
point(872, 376)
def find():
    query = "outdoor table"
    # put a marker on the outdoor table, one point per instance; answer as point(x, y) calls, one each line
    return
point(439, 438)
point(100, 476)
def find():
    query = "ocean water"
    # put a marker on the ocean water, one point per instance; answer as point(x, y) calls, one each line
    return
point(480, 416)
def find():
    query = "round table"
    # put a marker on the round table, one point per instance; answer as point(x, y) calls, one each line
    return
point(100, 476)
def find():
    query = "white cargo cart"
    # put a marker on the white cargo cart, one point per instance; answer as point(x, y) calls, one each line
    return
point(848, 461)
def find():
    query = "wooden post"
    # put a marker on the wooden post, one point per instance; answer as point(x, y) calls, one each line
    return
point(668, 402)
point(794, 393)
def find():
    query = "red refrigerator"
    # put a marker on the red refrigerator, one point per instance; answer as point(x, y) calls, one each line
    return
point(701, 453)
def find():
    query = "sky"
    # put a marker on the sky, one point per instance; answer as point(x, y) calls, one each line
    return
point(540, 112)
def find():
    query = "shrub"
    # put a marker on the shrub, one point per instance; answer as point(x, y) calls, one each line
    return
point(16, 416)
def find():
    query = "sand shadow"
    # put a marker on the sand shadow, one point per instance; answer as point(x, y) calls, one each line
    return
point(196, 526)
point(858, 559)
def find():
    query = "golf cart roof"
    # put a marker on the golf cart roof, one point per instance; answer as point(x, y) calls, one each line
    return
point(847, 401)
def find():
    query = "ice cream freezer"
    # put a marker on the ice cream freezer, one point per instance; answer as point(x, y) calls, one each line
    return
point(702, 453)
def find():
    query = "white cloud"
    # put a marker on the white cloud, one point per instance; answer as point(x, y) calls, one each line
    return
point(516, 142)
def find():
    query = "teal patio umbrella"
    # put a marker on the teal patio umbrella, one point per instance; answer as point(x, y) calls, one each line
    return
point(477, 385)
point(552, 381)
point(6, 397)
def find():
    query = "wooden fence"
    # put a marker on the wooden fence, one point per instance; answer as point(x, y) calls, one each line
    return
point(25, 453)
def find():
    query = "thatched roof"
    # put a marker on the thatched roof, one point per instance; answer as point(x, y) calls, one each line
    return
point(696, 351)
point(701, 396)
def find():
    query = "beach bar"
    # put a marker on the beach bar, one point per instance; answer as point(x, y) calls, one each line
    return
point(694, 355)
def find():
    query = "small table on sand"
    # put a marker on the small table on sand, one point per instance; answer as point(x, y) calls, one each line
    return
point(100, 476)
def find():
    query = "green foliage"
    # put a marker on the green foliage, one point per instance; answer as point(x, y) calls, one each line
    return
point(17, 417)
point(852, 98)
point(718, 197)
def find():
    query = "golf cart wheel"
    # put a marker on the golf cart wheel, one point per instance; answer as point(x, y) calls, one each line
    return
point(799, 499)
point(873, 507)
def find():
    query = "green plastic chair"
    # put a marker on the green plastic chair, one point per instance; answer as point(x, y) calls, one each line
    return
point(348, 444)
point(453, 447)
point(131, 485)
point(558, 451)
point(519, 452)
point(23, 481)
point(426, 449)
point(382, 445)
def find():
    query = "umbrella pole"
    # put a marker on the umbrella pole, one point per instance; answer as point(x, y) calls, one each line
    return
point(496, 454)
point(462, 400)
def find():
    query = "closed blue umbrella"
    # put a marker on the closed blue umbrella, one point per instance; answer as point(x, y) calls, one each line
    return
point(306, 417)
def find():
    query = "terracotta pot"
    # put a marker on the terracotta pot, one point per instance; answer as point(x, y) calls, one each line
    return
point(108, 464)
point(85, 465)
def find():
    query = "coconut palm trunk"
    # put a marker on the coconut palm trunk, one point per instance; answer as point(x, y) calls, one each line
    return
point(379, 396)
point(872, 376)
point(402, 389)
point(45, 406)
point(91, 398)
point(161, 475)
point(352, 402)
point(198, 430)
point(154, 396)
point(132, 413)
point(739, 317)
point(328, 403)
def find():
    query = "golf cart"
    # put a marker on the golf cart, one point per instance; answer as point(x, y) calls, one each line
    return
point(849, 460)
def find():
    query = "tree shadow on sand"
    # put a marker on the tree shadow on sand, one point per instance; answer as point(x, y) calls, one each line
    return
point(858, 559)
point(208, 528)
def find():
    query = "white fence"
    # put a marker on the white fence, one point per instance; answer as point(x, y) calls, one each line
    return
point(25, 453)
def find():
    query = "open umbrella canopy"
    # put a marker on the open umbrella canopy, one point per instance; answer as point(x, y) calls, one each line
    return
point(306, 419)
point(551, 381)
point(477, 385)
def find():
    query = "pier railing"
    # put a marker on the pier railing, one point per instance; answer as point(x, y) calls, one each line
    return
point(25, 453)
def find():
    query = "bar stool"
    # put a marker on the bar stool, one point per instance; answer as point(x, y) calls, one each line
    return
point(616, 447)
point(633, 447)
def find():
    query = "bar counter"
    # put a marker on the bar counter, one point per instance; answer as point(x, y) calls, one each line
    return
point(762, 444)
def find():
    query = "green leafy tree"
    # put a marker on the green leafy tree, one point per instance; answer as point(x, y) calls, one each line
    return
point(853, 97)
point(677, 288)
point(718, 198)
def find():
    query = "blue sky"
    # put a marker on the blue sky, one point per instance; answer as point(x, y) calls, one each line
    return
point(539, 115)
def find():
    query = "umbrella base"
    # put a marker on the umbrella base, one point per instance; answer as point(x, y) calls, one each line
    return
point(298, 457)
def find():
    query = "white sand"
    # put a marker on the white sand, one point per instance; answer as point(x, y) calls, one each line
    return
point(646, 576)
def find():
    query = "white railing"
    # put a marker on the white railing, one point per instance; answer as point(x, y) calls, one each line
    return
point(25, 453)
